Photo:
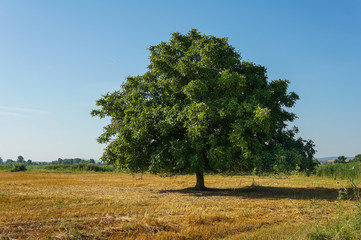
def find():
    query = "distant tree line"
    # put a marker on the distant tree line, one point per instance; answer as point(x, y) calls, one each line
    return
point(69, 161)
point(342, 159)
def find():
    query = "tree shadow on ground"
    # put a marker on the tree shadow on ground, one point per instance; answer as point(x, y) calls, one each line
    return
point(265, 192)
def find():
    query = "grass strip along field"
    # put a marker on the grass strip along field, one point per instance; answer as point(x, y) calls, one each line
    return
point(124, 206)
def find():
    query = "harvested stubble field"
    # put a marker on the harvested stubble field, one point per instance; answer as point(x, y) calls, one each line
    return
point(123, 206)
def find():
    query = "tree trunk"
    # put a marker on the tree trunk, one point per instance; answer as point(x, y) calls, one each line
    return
point(200, 182)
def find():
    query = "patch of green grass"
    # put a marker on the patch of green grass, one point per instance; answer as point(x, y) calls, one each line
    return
point(5, 168)
point(345, 226)
point(75, 168)
point(340, 171)
point(81, 167)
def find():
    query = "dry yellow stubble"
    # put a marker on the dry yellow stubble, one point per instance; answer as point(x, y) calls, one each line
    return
point(123, 206)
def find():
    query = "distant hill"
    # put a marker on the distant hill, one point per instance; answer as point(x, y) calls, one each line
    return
point(326, 158)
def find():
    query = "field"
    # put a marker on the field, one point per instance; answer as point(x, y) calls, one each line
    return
point(124, 206)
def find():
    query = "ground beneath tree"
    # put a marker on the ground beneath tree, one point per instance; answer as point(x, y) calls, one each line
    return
point(121, 206)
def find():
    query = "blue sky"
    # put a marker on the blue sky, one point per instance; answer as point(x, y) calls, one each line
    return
point(58, 57)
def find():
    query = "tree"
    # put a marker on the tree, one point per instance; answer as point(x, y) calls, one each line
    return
point(200, 109)
point(1, 161)
point(357, 158)
point(340, 159)
point(9, 162)
point(20, 159)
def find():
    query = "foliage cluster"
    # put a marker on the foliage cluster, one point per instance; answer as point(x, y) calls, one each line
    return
point(19, 167)
point(20, 160)
point(357, 158)
point(71, 161)
point(340, 170)
point(340, 159)
point(81, 167)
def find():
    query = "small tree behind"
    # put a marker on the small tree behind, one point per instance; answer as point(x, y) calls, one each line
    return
point(357, 158)
point(9, 162)
point(340, 159)
point(200, 109)
point(20, 159)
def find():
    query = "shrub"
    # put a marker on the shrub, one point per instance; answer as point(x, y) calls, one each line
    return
point(81, 167)
point(339, 170)
point(19, 167)
point(91, 167)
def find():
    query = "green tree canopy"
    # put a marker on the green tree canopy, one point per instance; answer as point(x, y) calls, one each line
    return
point(199, 109)
point(357, 158)
point(9, 162)
point(20, 159)
point(340, 159)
